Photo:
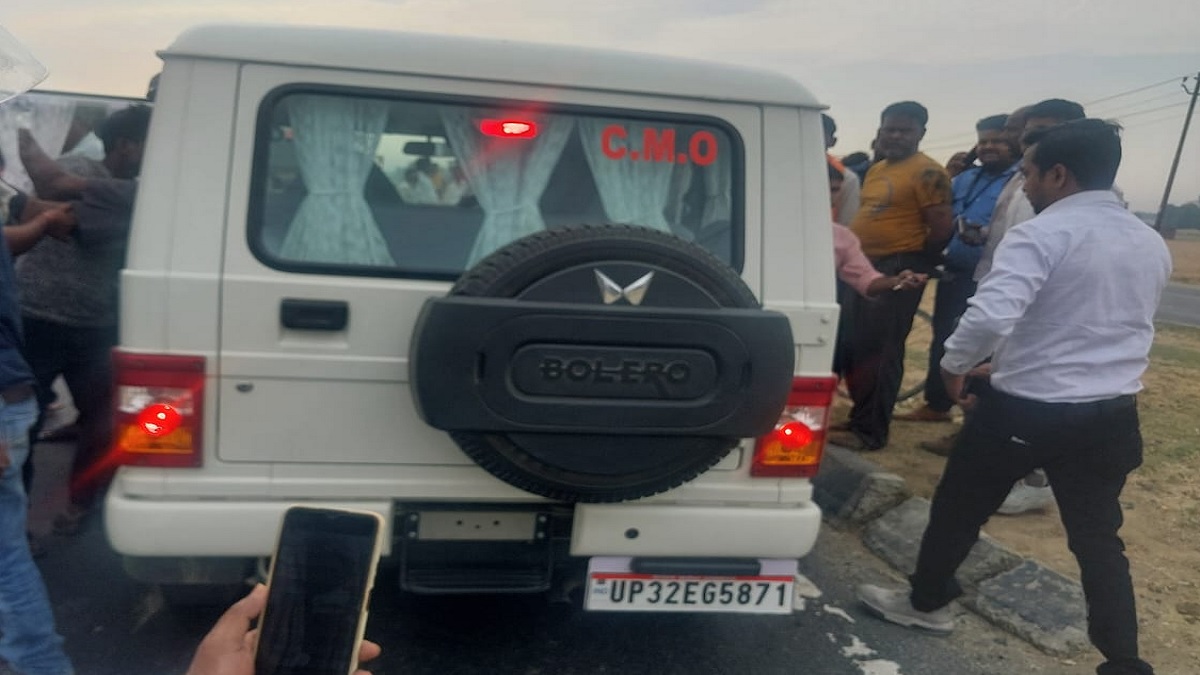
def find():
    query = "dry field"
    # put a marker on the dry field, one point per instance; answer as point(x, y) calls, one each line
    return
point(1185, 251)
point(1161, 500)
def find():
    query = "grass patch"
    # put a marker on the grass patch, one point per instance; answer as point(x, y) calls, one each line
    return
point(1178, 355)
point(1185, 254)
point(1168, 404)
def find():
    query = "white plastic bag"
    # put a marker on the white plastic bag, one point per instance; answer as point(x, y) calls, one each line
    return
point(19, 70)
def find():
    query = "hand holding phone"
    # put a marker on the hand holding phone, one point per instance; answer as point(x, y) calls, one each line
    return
point(228, 649)
point(316, 608)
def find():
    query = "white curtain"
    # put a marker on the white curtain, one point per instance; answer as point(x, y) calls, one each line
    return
point(633, 192)
point(718, 186)
point(48, 117)
point(336, 139)
point(506, 175)
point(681, 182)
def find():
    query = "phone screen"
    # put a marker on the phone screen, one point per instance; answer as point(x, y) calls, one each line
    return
point(320, 577)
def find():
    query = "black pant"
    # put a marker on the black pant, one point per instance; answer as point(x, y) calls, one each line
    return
point(948, 307)
point(1086, 449)
point(83, 356)
point(874, 359)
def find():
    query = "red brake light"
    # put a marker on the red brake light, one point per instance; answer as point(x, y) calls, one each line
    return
point(793, 435)
point(159, 401)
point(509, 128)
point(794, 448)
point(159, 419)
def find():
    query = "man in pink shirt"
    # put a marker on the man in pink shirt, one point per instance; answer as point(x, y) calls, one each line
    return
point(855, 270)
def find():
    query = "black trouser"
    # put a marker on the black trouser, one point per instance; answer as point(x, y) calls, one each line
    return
point(948, 307)
point(83, 356)
point(841, 343)
point(874, 360)
point(1087, 449)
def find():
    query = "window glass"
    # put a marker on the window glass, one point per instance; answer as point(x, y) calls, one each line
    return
point(347, 183)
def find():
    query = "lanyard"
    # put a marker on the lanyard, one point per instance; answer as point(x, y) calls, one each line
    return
point(971, 199)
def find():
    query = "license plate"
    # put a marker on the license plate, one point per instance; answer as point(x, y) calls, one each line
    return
point(611, 589)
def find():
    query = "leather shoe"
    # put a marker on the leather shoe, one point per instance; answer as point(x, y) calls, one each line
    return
point(850, 441)
point(941, 447)
point(923, 414)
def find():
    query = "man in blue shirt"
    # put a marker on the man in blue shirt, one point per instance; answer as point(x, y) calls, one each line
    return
point(975, 192)
point(29, 643)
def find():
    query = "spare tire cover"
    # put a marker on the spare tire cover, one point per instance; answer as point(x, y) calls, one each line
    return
point(600, 363)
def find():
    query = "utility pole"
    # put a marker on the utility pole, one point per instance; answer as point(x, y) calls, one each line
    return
point(1162, 208)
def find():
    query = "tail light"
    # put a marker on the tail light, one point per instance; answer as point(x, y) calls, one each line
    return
point(159, 402)
point(794, 448)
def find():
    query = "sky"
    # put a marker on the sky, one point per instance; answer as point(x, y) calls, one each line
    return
point(963, 60)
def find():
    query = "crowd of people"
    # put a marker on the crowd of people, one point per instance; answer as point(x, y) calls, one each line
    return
point(1043, 320)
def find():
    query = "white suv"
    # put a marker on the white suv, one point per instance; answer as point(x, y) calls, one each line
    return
point(558, 315)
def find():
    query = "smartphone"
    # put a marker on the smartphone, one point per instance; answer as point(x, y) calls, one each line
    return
point(321, 576)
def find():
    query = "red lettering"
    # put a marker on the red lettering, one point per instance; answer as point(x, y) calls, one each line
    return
point(611, 132)
point(658, 148)
point(703, 148)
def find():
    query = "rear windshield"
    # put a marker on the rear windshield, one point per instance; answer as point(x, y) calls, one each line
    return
point(347, 183)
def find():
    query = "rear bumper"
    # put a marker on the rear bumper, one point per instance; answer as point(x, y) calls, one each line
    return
point(237, 528)
point(216, 528)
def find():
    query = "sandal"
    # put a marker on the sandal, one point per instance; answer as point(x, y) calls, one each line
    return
point(69, 522)
point(67, 432)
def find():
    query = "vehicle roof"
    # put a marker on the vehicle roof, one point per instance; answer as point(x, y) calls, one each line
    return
point(489, 59)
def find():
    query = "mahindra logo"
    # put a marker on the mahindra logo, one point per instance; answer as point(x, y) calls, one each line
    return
point(611, 291)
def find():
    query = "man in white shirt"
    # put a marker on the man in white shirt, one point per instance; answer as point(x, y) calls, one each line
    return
point(1031, 493)
point(1067, 313)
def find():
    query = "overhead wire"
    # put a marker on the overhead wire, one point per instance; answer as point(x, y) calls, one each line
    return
point(948, 142)
point(1150, 122)
point(1122, 107)
point(1151, 110)
point(1135, 91)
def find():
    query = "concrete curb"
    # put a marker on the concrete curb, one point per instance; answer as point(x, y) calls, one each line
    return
point(1021, 596)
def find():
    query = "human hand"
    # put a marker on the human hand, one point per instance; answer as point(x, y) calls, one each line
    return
point(5, 460)
point(228, 649)
point(956, 387)
point(908, 280)
point(25, 141)
point(982, 371)
point(957, 163)
point(60, 222)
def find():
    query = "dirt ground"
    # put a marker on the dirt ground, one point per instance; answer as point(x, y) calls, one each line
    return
point(1161, 500)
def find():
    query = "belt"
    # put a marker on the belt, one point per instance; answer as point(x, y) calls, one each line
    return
point(1108, 405)
point(17, 393)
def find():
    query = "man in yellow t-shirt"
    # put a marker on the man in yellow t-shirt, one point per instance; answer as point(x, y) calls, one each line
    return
point(905, 220)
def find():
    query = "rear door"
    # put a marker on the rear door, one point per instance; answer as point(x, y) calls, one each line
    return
point(354, 199)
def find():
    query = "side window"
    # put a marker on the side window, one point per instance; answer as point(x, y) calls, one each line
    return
point(346, 183)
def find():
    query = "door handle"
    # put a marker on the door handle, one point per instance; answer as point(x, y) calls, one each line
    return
point(303, 314)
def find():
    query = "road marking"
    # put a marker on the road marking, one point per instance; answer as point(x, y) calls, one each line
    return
point(857, 648)
point(857, 652)
point(836, 611)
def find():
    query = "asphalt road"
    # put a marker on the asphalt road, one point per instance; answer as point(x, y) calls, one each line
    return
point(1180, 304)
point(115, 626)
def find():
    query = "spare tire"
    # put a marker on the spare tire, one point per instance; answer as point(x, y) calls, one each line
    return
point(600, 363)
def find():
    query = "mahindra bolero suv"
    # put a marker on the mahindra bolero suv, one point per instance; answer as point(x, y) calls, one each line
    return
point(563, 317)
